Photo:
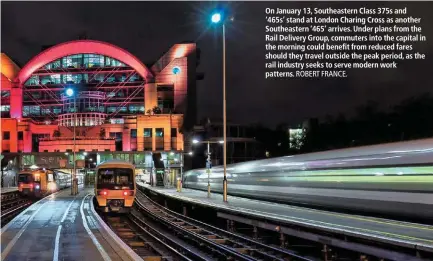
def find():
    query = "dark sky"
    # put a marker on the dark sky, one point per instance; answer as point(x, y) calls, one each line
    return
point(148, 29)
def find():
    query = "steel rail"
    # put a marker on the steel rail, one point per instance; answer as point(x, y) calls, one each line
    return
point(221, 249)
point(230, 235)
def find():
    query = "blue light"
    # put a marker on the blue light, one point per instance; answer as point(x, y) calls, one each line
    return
point(176, 70)
point(69, 92)
point(216, 18)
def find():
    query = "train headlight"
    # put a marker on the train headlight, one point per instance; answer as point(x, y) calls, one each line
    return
point(37, 187)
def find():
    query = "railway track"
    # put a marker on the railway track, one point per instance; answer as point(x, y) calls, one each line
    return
point(146, 241)
point(218, 243)
point(12, 204)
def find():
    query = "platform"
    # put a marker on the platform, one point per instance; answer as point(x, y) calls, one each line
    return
point(61, 227)
point(395, 232)
point(8, 190)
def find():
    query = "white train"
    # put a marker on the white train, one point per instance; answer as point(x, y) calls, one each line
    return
point(393, 178)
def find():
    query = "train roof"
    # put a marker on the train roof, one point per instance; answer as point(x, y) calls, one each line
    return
point(116, 163)
point(391, 154)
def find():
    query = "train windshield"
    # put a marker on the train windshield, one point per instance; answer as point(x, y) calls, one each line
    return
point(25, 178)
point(115, 178)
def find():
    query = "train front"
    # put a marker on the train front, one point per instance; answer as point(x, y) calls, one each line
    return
point(115, 189)
point(29, 183)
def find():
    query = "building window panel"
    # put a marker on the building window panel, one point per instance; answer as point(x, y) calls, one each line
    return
point(20, 135)
point(133, 133)
point(53, 65)
point(73, 61)
point(6, 135)
point(159, 132)
point(147, 132)
point(45, 111)
point(5, 108)
point(5, 94)
point(93, 60)
point(56, 79)
point(173, 132)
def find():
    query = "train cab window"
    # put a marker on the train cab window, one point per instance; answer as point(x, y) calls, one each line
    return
point(50, 177)
point(115, 178)
point(37, 177)
point(25, 178)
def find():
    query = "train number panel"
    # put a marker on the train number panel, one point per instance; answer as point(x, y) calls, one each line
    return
point(115, 186)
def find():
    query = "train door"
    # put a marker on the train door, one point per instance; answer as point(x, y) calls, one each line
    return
point(39, 178)
point(51, 182)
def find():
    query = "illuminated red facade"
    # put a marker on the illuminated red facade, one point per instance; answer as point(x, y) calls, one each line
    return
point(118, 103)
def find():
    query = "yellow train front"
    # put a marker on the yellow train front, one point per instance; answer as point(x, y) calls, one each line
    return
point(115, 186)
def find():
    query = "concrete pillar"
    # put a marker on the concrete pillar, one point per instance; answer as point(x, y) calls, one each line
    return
point(153, 139)
point(150, 96)
point(16, 109)
point(167, 138)
point(126, 140)
point(27, 141)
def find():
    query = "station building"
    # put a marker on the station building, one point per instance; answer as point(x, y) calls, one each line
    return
point(118, 107)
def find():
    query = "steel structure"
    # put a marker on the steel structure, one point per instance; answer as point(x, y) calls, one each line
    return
point(106, 87)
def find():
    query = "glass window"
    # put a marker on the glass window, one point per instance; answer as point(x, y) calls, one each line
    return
point(93, 60)
point(111, 109)
point(115, 178)
point(57, 110)
point(173, 132)
point(113, 62)
point(147, 132)
point(45, 79)
point(55, 78)
point(25, 178)
point(53, 65)
point(31, 110)
point(73, 61)
point(159, 132)
point(6, 135)
point(20, 135)
point(45, 111)
point(5, 94)
point(5, 108)
point(133, 133)
point(33, 80)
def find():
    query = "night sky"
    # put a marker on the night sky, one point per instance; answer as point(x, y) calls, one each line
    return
point(148, 29)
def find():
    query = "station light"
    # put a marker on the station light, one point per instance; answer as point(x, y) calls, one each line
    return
point(176, 70)
point(221, 141)
point(172, 153)
point(195, 141)
point(190, 153)
point(85, 153)
point(216, 18)
point(70, 92)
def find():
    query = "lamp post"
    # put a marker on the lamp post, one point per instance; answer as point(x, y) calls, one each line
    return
point(217, 18)
point(208, 161)
point(70, 93)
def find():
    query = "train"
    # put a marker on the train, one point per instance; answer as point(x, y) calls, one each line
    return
point(115, 186)
point(41, 182)
point(389, 179)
